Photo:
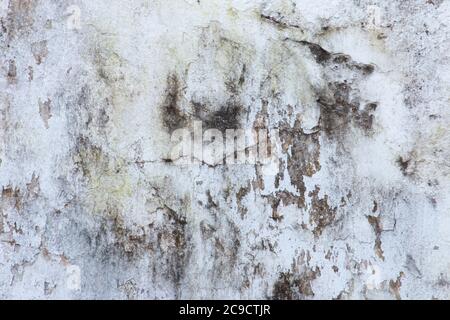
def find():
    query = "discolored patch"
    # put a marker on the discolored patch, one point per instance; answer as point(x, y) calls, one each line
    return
point(172, 116)
point(45, 111)
point(321, 214)
point(293, 286)
point(394, 286)
point(303, 153)
point(20, 18)
point(340, 107)
point(242, 193)
point(227, 117)
point(375, 222)
point(40, 51)
point(12, 72)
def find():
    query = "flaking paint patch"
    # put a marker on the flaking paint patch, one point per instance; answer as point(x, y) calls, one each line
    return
point(358, 199)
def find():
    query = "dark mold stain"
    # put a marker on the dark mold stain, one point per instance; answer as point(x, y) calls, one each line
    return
point(405, 166)
point(321, 214)
point(222, 237)
point(320, 54)
point(284, 198)
point(227, 117)
point(211, 204)
point(339, 108)
point(411, 265)
point(292, 286)
point(174, 234)
point(375, 207)
point(278, 22)
point(12, 72)
point(172, 116)
point(339, 101)
point(242, 193)
point(13, 196)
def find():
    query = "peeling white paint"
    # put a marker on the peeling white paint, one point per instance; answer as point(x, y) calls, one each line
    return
point(358, 206)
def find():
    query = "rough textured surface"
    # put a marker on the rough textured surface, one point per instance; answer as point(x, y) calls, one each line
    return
point(92, 207)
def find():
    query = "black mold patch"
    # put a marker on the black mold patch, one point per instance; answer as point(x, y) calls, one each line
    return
point(339, 100)
point(321, 214)
point(291, 286)
point(320, 54)
point(12, 72)
point(405, 166)
point(172, 116)
point(227, 117)
point(173, 235)
point(340, 107)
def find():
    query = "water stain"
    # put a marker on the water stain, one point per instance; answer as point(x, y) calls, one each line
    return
point(172, 116)
point(295, 286)
point(40, 51)
point(45, 111)
point(321, 214)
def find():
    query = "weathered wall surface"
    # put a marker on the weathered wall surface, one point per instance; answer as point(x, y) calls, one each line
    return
point(91, 207)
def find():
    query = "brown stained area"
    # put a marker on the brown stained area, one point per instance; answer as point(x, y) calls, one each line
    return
point(280, 175)
point(33, 187)
point(340, 107)
point(30, 73)
point(242, 193)
point(295, 286)
point(375, 222)
point(12, 196)
point(303, 153)
point(321, 214)
point(258, 182)
point(16, 198)
point(12, 72)
point(45, 111)
point(20, 18)
point(320, 54)
point(284, 198)
point(40, 51)
point(394, 286)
